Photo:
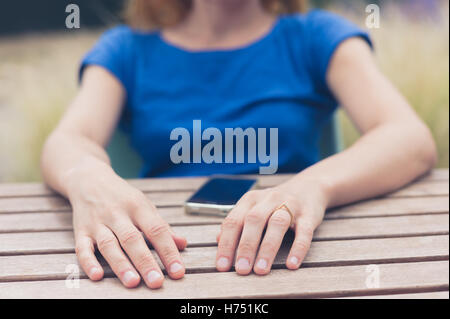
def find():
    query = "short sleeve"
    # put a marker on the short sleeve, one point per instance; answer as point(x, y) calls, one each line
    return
point(112, 52)
point(326, 31)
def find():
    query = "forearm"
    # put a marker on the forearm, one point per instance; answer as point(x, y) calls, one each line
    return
point(386, 158)
point(66, 155)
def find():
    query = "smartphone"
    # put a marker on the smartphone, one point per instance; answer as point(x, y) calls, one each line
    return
point(218, 196)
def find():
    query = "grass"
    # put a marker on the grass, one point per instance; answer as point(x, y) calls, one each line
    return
point(414, 55)
point(38, 76)
point(38, 79)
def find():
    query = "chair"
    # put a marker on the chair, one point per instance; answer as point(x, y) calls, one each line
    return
point(127, 163)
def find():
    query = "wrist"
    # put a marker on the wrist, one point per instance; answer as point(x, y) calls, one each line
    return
point(88, 171)
point(315, 187)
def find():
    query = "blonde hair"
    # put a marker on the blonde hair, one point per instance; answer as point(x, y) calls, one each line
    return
point(153, 14)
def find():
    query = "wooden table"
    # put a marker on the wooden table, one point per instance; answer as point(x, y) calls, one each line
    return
point(392, 247)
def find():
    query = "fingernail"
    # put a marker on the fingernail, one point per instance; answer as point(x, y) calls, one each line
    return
point(153, 276)
point(243, 264)
point(294, 260)
point(175, 267)
point(129, 276)
point(94, 271)
point(223, 262)
point(261, 264)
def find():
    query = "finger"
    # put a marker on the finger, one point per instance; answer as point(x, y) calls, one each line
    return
point(84, 248)
point(158, 233)
point(134, 244)
point(303, 236)
point(112, 252)
point(180, 241)
point(254, 223)
point(229, 235)
point(242, 206)
point(277, 227)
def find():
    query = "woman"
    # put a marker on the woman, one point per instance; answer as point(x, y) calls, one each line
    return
point(229, 63)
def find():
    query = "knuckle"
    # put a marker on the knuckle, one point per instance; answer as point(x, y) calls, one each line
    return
point(78, 250)
point(231, 223)
point(157, 229)
point(247, 248)
point(290, 197)
point(83, 258)
point(301, 245)
point(111, 215)
point(145, 261)
point(81, 253)
point(168, 253)
point(275, 195)
point(280, 219)
point(134, 201)
point(120, 264)
point(251, 195)
point(149, 205)
point(130, 204)
point(226, 245)
point(295, 205)
point(104, 243)
point(307, 230)
point(253, 217)
point(269, 246)
point(130, 237)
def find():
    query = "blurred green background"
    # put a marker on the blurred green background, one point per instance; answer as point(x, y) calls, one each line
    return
point(38, 77)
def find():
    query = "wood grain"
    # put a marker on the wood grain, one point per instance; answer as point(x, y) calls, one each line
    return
point(404, 233)
point(62, 220)
point(306, 282)
point(205, 235)
point(57, 221)
point(432, 184)
point(201, 259)
point(374, 207)
point(424, 295)
point(392, 207)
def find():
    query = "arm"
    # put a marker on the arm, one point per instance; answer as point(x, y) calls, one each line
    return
point(107, 211)
point(396, 147)
point(77, 144)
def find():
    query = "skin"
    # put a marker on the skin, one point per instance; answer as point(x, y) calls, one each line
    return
point(114, 217)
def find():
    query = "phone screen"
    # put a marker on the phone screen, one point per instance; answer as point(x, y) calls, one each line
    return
point(222, 191)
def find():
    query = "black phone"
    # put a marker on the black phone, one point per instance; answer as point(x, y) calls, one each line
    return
point(218, 195)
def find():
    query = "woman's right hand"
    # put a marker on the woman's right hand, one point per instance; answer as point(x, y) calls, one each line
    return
point(110, 214)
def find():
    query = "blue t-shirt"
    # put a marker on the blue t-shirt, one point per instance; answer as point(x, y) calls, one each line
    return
point(278, 81)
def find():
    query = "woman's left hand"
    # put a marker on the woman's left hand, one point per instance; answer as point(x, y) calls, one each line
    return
point(242, 230)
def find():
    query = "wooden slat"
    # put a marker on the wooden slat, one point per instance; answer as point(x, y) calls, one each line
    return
point(57, 221)
point(321, 254)
point(205, 235)
point(24, 189)
point(54, 221)
point(437, 175)
point(56, 203)
point(190, 184)
point(146, 185)
point(441, 174)
point(306, 282)
point(410, 247)
point(392, 207)
point(424, 295)
point(382, 227)
point(395, 206)
point(421, 189)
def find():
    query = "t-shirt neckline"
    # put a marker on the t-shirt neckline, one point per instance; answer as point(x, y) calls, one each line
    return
point(254, 43)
